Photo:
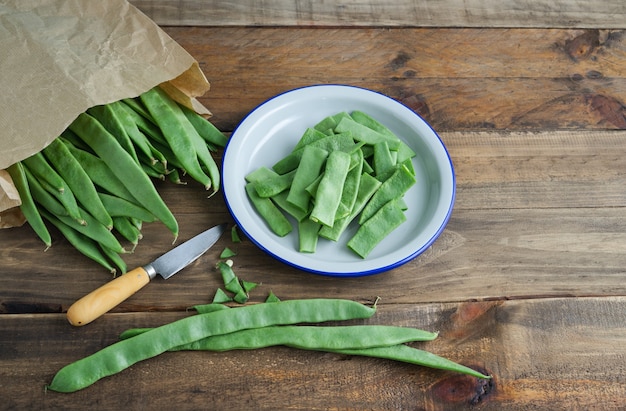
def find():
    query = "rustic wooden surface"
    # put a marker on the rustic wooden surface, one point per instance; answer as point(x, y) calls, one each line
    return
point(526, 283)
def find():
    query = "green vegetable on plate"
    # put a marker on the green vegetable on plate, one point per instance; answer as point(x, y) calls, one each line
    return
point(342, 171)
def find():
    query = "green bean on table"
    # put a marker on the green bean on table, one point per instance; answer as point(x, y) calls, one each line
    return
point(310, 337)
point(123, 354)
point(28, 207)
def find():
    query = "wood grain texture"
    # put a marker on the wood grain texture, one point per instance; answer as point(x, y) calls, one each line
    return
point(526, 282)
point(457, 79)
point(575, 345)
point(406, 13)
point(531, 208)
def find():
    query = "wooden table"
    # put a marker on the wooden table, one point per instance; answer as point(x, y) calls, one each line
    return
point(527, 282)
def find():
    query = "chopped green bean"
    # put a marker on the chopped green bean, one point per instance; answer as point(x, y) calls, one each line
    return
point(394, 187)
point(365, 134)
point(227, 253)
point(274, 218)
point(310, 167)
point(374, 229)
point(308, 233)
point(272, 186)
point(221, 297)
point(367, 187)
point(342, 142)
point(328, 194)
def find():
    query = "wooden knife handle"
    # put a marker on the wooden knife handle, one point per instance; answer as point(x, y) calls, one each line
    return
point(100, 301)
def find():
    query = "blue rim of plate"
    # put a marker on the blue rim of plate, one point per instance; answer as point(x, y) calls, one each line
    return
point(312, 269)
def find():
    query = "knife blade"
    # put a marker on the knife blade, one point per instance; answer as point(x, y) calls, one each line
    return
point(103, 299)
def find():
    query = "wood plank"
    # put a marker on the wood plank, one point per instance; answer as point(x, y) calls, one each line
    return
point(542, 354)
point(531, 208)
point(457, 79)
point(538, 170)
point(405, 13)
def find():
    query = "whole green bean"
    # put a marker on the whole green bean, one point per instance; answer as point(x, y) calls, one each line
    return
point(405, 353)
point(115, 258)
point(41, 169)
point(94, 230)
point(42, 196)
point(137, 138)
point(143, 120)
point(120, 207)
point(205, 128)
point(82, 243)
point(101, 175)
point(127, 230)
point(28, 206)
point(177, 130)
point(77, 179)
point(109, 120)
point(123, 354)
point(124, 168)
point(309, 337)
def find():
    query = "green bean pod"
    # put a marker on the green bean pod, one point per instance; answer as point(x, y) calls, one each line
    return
point(42, 197)
point(124, 168)
point(177, 130)
point(60, 157)
point(109, 120)
point(41, 169)
point(101, 175)
point(123, 354)
point(85, 245)
point(28, 206)
point(308, 337)
point(94, 230)
point(137, 138)
point(205, 128)
point(404, 353)
point(127, 230)
point(115, 258)
point(120, 207)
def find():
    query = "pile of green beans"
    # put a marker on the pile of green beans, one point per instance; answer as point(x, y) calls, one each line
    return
point(348, 167)
point(95, 182)
point(292, 323)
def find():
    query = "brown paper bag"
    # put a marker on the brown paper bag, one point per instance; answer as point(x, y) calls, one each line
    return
point(60, 57)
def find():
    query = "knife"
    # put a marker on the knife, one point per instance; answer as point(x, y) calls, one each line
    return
point(100, 301)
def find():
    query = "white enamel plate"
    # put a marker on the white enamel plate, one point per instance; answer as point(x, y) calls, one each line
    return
point(271, 131)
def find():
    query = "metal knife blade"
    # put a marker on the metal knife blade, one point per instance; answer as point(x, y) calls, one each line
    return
point(100, 301)
point(180, 257)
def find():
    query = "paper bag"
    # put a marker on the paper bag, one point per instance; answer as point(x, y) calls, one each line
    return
point(60, 57)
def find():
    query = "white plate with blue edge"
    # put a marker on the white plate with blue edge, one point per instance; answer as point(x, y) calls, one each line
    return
point(271, 131)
